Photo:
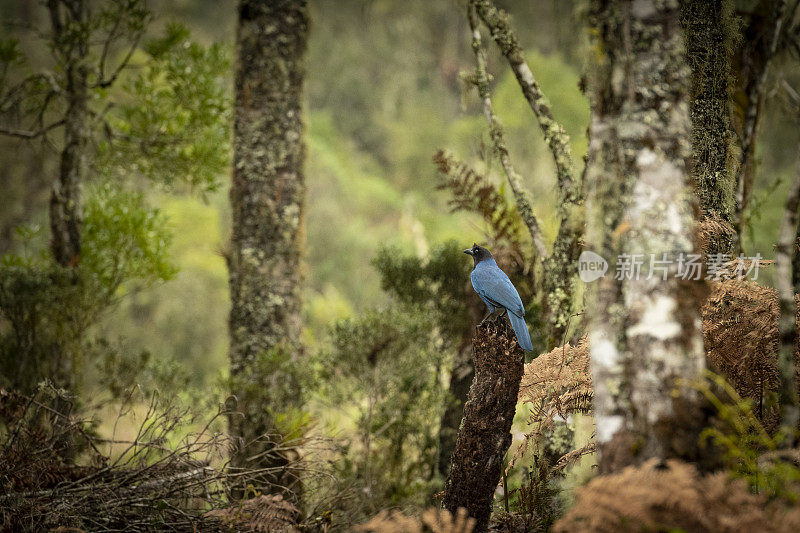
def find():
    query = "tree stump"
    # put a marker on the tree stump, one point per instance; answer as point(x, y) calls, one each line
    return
point(484, 436)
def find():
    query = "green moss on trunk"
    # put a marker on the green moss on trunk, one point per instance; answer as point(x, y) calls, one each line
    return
point(708, 26)
point(267, 206)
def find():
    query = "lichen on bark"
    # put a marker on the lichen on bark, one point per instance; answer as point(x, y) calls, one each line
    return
point(267, 199)
point(708, 24)
point(644, 333)
point(559, 265)
point(66, 214)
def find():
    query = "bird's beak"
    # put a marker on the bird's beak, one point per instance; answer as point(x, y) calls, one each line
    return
point(468, 251)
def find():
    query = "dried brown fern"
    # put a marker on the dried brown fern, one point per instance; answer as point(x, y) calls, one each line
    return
point(740, 330)
point(712, 228)
point(265, 513)
point(433, 520)
point(557, 383)
point(568, 458)
point(670, 497)
point(559, 380)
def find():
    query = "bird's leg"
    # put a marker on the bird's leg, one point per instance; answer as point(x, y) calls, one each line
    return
point(492, 315)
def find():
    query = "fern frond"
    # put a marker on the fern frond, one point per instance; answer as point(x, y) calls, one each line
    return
point(433, 520)
point(740, 330)
point(475, 193)
point(559, 381)
point(268, 512)
point(672, 497)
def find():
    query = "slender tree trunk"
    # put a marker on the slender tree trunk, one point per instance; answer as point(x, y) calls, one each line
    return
point(267, 202)
point(560, 265)
point(484, 436)
point(787, 323)
point(761, 38)
point(709, 22)
point(68, 19)
point(644, 333)
point(65, 200)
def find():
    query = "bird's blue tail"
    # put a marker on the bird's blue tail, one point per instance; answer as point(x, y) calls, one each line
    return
point(521, 330)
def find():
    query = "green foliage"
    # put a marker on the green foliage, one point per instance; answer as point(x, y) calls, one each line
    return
point(10, 54)
point(439, 281)
point(117, 367)
point(40, 314)
point(173, 126)
point(46, 310)
point(157, 110)
point(123, 240)
point(749, 451)
point(383, 370)
point(274, 374)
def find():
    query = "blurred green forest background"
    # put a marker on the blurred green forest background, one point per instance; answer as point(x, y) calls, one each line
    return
point(383, 94)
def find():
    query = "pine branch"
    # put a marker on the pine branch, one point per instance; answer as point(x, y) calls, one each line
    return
point(481, 82)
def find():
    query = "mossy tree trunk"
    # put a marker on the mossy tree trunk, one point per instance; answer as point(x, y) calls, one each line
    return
point(485, 432)
point(560, 265)
point(710, 25)
point(67, 19)
point(644, 333)
point(267, 205)
point(786, 251)
point(762, 35)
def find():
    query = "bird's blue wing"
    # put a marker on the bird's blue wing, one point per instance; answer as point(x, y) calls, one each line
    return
point(492, 284)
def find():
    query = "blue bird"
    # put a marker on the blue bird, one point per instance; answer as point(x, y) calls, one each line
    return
point(498, 293)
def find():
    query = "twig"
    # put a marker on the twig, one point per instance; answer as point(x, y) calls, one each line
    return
point(28, 134)
point(555, 135)
point(481, 81)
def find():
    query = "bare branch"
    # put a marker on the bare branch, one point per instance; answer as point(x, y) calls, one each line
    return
point(107, 44)
point(554, 134)
point(754, 101)
point(481, 81)
point(103, 83)
point(27, 134)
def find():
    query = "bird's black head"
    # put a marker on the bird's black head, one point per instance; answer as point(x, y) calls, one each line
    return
point(478, 253)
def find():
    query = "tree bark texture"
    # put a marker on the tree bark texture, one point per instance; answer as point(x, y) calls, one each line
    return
point(484, 436)
point(787, 323)
point(762, 35)
point(644, 333)
point(66, 214)
point(710, 25)
point(267, 197)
